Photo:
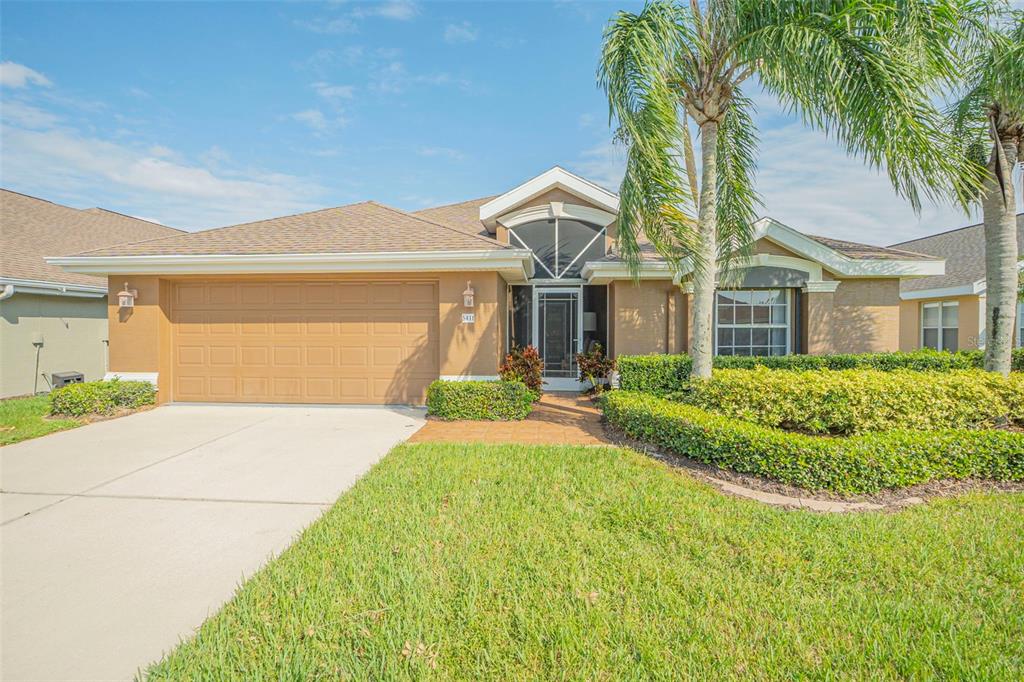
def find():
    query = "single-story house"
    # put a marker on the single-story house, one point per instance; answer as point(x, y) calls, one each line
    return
point(947, 311)
point(369, 304)
point(52, 320)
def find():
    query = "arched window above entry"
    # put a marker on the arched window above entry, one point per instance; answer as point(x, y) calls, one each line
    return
point(560, 245)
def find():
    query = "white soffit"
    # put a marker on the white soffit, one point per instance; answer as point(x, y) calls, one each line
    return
point(555, 178)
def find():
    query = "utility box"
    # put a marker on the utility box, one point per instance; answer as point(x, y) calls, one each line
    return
point(59, 379)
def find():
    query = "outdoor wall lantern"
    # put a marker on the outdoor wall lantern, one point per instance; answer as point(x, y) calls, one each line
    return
point(126, 298)
point(467, 295)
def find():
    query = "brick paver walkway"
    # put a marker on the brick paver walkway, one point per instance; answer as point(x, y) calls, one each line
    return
point(564, 419)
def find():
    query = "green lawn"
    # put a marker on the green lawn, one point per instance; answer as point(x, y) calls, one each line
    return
point(24, 418)
point(519, 562)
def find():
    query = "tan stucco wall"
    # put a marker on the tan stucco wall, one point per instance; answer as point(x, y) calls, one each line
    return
point(140, 342)
point(968, 335)
point(866, 316)
point(643, 320)
point(74, 331)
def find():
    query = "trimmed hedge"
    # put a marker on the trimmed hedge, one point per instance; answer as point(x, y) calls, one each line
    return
point(101, 397)
point(853, 401)
point(857, 464)
point(479, 400)
point(661, 374)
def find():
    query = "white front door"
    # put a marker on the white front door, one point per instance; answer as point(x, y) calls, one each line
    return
point(557, 327)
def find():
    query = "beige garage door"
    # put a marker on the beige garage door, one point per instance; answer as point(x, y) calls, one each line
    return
point(304, 342)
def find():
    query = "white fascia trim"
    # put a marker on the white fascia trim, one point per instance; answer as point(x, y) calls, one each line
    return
point(557, 209)
point(516, 262)
point(975, 289)
point(827, 286)
point(151, 377)
point(813, 270)
point(469, 377)
point(34, 286)
point(602, 272)
point(555, 178)
point(840, 264)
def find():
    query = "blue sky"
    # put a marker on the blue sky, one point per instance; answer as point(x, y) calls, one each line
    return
point(205, 114)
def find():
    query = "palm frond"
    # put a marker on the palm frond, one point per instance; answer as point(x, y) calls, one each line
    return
point(737, 197)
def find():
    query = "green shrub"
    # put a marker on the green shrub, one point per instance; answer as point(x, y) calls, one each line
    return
point(479, 400)
point(661, 374)
point(850, 465)
point(854, 401)
point(101, 397)
point(523, 364)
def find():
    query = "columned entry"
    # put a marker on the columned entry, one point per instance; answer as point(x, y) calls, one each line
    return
point(557, 326)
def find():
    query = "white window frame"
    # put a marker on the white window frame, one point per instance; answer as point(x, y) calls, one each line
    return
point(941, 305)
point(788, 326)
point(556, 275)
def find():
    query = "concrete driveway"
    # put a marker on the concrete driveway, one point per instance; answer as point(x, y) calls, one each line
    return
point(119, 538)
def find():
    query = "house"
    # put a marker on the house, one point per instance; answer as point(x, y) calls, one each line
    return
point(52, 320)
point(369, 304)
point(947, 311)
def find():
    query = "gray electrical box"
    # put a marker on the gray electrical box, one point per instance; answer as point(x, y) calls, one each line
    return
point(64, 378)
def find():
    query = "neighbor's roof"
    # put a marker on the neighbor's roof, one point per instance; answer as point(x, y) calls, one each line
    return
point(964, 251)
point(868, 251)
point(32, 228)
point(366, 227)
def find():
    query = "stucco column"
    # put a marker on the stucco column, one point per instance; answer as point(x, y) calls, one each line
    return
point(819, 302)
point(139, 337)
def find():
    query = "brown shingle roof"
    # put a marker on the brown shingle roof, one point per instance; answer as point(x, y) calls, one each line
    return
point(464, 215)
point(964, 251)
point(868, 251)
point(366, 227)
point(32, 228)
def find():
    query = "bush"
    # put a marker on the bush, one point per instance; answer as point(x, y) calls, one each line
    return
point(523, 364)
point(101, 397)
point(852, 465)
point(594, 366)
point(661, 374)
point(479, 400)
point(853, 401)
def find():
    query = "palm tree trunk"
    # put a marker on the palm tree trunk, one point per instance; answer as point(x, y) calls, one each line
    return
point(702, 347)
point(999, 210)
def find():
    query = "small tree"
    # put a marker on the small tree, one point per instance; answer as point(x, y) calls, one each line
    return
point(988, 122)
point(594, 366)
point(524, 364)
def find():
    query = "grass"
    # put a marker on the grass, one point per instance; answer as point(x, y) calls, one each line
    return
point(470, 562)
point(24, 418)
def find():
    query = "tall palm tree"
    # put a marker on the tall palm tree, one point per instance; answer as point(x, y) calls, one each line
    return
point(988, 121)
point(857, 69)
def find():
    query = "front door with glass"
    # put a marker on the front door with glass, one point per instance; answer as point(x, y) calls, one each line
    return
point(557, 330)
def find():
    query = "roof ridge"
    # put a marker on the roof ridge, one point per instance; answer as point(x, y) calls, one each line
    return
point(486, 240)
point(871, 246)
point(456, 203)
point(35, 198)
point(954, 229)
point(131, 217)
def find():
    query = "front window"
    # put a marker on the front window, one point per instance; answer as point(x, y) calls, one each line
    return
point(940, 324)
point(560, 245)
point(752, 322)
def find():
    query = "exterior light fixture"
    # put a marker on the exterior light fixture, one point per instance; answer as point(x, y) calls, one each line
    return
point(126, 297)
point(467, 295)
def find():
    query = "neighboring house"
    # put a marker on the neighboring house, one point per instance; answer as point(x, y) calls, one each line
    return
point(369, 304)
point(52, 320)
point(947, 311)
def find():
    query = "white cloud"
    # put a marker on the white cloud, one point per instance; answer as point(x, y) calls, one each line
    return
point(464, 32)
point(400, 10)
point(26, 115)
point(14, 75)
point(60, 162)
point(327, 25)
point(317, 121)
point(604, 164)
point(446, 152)
point(333, 92)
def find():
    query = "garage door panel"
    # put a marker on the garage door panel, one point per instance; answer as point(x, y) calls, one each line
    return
point(319, 342)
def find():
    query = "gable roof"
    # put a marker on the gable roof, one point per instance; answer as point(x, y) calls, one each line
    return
point(367, 227)
point(964, 251)
point(464, 215)
point(31, 229)
point(554, 178)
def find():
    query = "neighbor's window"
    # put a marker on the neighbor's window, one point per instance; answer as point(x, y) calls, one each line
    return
point(752, 322)
point(940, 324)
point(560, 246)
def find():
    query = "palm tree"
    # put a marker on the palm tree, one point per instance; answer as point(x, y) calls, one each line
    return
point(858, 70)
point(988, 121)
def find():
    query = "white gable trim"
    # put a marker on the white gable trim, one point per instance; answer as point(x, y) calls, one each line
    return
point(555, 178)
point(557, 209)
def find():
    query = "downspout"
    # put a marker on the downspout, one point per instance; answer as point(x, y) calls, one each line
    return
point(7, 292)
